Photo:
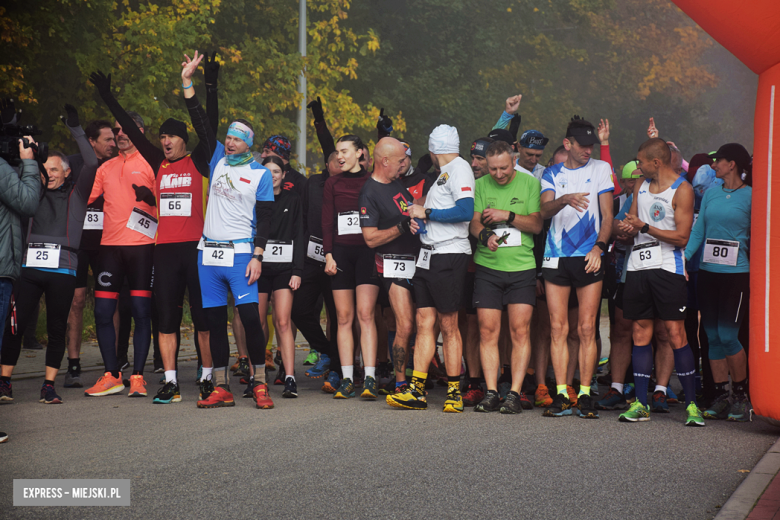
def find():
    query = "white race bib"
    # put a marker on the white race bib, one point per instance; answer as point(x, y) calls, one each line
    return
point(93, 220)
point(550, 263)
point(315, 250)
point(722, 252)
point(424, 260)
point(349, 223)
point(216, 253)
point(398, 266)
point(43, 255)
point(142, 222)
point(278, 252)
point(647, 256)
point(175, 204)
point(514, 239)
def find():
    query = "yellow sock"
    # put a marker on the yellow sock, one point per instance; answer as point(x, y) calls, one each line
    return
point(453, 387)
point(418, 381)
point(584, 390)
point(561, 389)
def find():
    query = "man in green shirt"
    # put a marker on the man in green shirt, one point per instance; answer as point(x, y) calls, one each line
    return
point(506, 216)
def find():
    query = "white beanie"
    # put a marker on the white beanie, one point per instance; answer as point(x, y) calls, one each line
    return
point(444, 139)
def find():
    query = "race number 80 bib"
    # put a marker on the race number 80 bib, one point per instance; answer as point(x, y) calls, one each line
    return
point(721, 252)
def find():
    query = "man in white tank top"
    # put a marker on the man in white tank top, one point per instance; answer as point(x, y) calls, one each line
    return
point(660, 219)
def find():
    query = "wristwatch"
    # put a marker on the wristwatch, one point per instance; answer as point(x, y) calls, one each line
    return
point(259, 258)
point(511, 217)
point(428, 213)
point(602, 246)
point(645, 228)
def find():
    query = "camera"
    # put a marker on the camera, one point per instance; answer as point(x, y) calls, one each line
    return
point(10, 135)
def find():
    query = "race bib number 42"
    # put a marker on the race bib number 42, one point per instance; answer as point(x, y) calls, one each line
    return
point(216, 253)
point(175, 204)
point(349, 223)
point(142, 222)
point(398, 266)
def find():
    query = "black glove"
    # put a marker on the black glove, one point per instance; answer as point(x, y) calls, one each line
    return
point(101, 82)
point(514, 125)
point(316, 109)
point(211, 69)
point(404, 225)
point(425, 163)
point(7, 111)
point(73, 117)
point(144, 194)
point(384, 123)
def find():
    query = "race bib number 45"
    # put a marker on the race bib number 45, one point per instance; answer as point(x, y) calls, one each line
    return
point(142, 222)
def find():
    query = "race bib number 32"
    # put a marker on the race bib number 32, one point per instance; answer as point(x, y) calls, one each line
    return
point(142, 222)
point(349, 223)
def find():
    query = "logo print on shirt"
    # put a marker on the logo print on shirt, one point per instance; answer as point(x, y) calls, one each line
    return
point(402, 203)
point(587, 182)
point(175, 180)
point(443, 178)
point(466, 188)
point(363, 211)
point(515, 200)
point(657, 212)
point(245, 180)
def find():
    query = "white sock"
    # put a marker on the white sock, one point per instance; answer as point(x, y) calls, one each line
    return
point(661, 388)
point(206, 374)
point(290, 377)
point(371, 372)
point(170, 376)
point(618, 387)
point(347, 371)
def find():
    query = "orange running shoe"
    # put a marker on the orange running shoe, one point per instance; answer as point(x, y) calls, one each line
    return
point(137, 387)
point(572, 395)
point(269, 360)
point(220, 397)
point(262, 399)
point(542, 397)
point(106, 385)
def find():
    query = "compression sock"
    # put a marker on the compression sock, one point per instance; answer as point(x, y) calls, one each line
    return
point(686, 372)
point(561, 389)
point(741, 387)
point(453, 385)
point(170, 376)
point(259, 374)
point(584, 390)
point(721, 389)
point(142, 333)
point(347, 371)
point(618, 387)
point(74, 364)
point(642, 359)
point(371, 372)
point(418, 381)
point(105, 305)
point(220, 376)
point(206, 374)
point(659, 388)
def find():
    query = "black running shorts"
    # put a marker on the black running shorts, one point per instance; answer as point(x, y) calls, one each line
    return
point(655, 293)
point(571, 272)
point(496, 289)
point(441, 286)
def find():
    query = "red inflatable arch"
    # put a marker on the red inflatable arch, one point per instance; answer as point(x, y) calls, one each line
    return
point(751, 31)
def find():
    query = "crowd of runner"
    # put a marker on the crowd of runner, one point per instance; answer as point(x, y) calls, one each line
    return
point(504, 259)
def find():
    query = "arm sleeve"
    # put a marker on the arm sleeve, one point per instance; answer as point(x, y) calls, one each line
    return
point(327, 218)
point(151, 154)
point(325, 139)
point(698, 231)
point(263, 211)
point(462, 211)
point(514, 125)
point(503, 121)
point(21, 193)
point(86, 177)
point(207, 141)
point(299, 250)
point(212, 108)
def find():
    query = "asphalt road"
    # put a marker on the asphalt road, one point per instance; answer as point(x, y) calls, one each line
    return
point(315, 457)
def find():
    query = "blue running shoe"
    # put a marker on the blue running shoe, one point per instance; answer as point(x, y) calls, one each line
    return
point(320, 368)
point(630, 392)
point(671, 397)
point(200, 374)
point(614, 400)
point(332, 383)
point(659, 402)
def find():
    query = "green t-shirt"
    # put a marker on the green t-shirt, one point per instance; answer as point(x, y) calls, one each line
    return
point(520, 196)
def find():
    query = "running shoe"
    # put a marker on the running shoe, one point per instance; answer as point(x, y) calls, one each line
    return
point(454, 402)
point(542, 397)
point(401, 389)
point(629, 391)
point(694, 416)
point(49, 396)
point(331, 383)
point(586, 408)
point(603, 361)
point(3, 437)
point(594, 386)
point(525, 402)
point(386, 378)
point(6, 392)
point(671, 397)
point(204, 389)
point(290, 388)
point(511, 404)
point(410, 399)
point(613, 400)
point(560, 407)
point(312, 358)
point(720, 408)
point(346, 389)
point(741, 409)
point(269, 360)
point(262, 399)
point(106, 385)
point(503, 389)
point(162, 380)
point(572, 394)
point(137, 387)
point(658, 404)
point(123, 363)
point(218, 398)
point(73, 377)
point(491, 402)
point(370, 390)
point(200, 374)
point(636, 413)
point(242, 367)
point(281, 375)
point(169, 393)
point(474, 394)
point(320, 368)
